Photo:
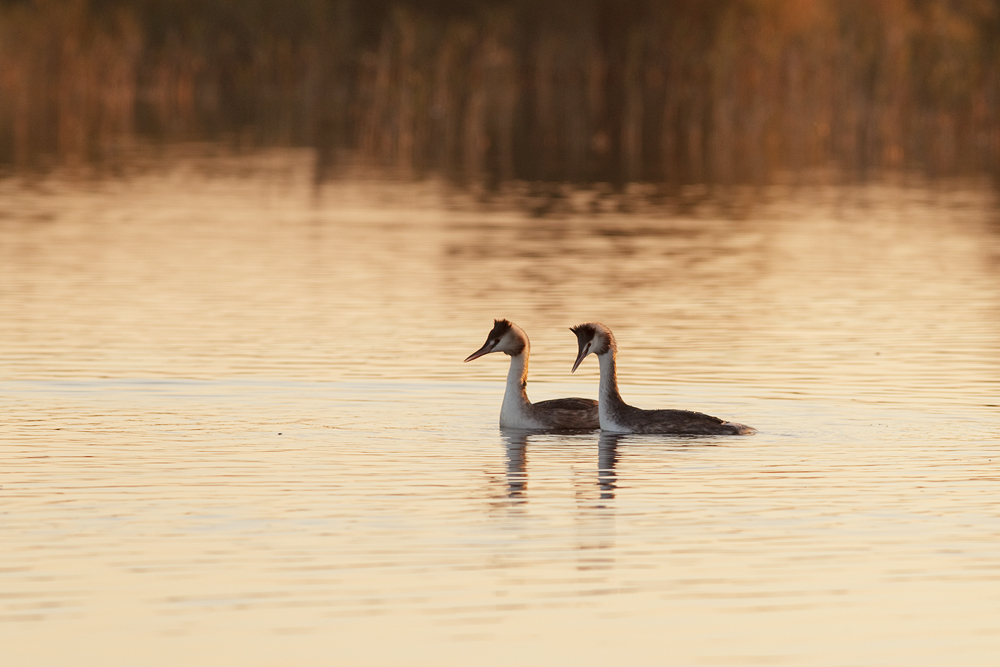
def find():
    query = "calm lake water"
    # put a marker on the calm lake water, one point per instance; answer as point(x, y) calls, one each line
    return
point(237, 428)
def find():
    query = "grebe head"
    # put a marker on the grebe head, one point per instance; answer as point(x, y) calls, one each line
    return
point(594, 338)
point(505, 337)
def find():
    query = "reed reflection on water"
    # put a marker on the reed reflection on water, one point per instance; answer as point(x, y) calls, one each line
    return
point(237, 423)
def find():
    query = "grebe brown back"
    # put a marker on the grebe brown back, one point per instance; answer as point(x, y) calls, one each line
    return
point(619, 417)
point(517, 411)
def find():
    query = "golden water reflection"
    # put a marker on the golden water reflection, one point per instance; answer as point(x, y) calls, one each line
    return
point(237, 427)
point(852, 291)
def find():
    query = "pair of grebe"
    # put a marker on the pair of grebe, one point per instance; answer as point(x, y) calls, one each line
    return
point(610, 413)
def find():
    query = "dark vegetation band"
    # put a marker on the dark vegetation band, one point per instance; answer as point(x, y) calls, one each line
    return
point(612, 91)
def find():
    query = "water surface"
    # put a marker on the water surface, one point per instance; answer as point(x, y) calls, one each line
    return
point(237, 428)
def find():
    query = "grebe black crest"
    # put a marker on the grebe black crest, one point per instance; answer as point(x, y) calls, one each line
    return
point(517, 411)
point(619, 417)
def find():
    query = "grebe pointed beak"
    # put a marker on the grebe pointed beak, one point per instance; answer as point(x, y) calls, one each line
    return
point(584, 351)
point(485, 349)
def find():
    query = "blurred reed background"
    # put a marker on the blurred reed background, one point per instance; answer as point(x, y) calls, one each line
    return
point(577, 91)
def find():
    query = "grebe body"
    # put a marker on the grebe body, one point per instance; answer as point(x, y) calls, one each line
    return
point(517, 411)
point(617, 416)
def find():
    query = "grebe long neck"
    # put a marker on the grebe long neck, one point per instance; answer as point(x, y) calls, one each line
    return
point(515, 397)
point(517, 411)
point(609, 377)
point(611, 402)
point(517, 378)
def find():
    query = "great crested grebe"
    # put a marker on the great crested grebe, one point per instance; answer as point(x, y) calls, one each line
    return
point(619, 417)
point(517, 410)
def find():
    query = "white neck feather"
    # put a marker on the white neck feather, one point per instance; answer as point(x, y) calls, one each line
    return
point(609, 400)
point(516, 409)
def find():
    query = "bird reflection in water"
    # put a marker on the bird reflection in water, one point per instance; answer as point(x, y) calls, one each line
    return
point(516, 443)
point(517, 473)
point(607, 459)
